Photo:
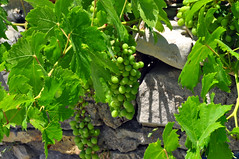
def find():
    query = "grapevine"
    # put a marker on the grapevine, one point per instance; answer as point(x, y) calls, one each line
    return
point(70, 50)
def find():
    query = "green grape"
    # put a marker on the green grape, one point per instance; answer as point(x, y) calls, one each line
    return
point(93, 140)
point(125, 46)
point(179, 15)
point(131, 58)
point(232, 27)
point(219, 19)
point(128, 106)
point(87, 119)
point(122, 89)
point(228, 38)
point(92, 9)
point(95, 148)
point(133, 48)
point(138, 74)
point(97, 132)
point(80, 145)
point(130, 52)
point(82, 124)
point(120, 97)
point(141, 64)
point(73, 123)
point(84, 141)
point(88, 156)
point(85, 131)
point(133, 72)
point(189, 24)
point(125, 80)
point(114, 113)
point(125, 73)
point(123, 112)
point(95, 156)
point(88, 150)
point(114, 79)
point(181, 22)
point(136, 65)
point(184, 9)
point(194, 31)
point(120, 60)
point(224, 22)
point(129, 116)
point(89, 143)
point(82, 154)
point(125, 51)
point(126, 62)
point(90, 126)
point(75, 133)
point(128, 67)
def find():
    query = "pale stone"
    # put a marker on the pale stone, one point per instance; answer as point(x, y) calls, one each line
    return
point(172, 47)
point(20, 152)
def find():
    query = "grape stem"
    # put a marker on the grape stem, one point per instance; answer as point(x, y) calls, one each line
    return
point(92, 22)
point(23, 7)
point(234, 113)
point(166, 153)
point(122, 12)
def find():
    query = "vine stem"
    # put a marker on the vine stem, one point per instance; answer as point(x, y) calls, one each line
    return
point(24, 9)
point(93, 16)
point(218, 55)
point(166, 153)
point(122, 12)
point(234, 113)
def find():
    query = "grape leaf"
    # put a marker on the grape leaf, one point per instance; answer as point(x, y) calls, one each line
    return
point(171, 142)
point(208, 82)
point(170, 138)
point(199, 121)
point(41, 3)
point(61, 8)
point(154, 150)
point(218, 147)
point(226, 48)
point(59, 112)
point(235, 9)
point(18, 84)
point(122, 32)
point(235, 131)
point(51, 133)
point(42, 19)
point(196, 7)
point(3, 28)
point(185, 2)
point(14, 101)
point(214, 65)
point(200, 52)
point(202, 29)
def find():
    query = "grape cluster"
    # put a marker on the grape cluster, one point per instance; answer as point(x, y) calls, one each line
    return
point(223, 17)
point(192, 24)
point(124, 85)
point(85, 133)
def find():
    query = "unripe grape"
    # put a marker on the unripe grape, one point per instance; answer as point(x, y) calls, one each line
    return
point(77, 139)
point(82, 124)
point(97, 132)
point(133, 72)
point(125, 46)
point(114, 79)
point(129, 116)
point(228, 38)
point(87, 156)
point(181, 22)
point(92, 9)
point(80, 145)
point(123, 112)
point(95, 148)
point(125, 73)
point(73, 123)
point(179, 14)
point(93, 140)
point(141, 64)
point(224, 22)
point(82, 154)
point(125, 80)
point(114, 113)
point(126, 61)
point(120, 97)
point(128, 67)
point(131, 58)
point(194, 31)
point(84, 141)
point(125, 51)
point(120, 60)
point(89, 144)
point(184, 8)
point(90, 126)
point(133, 48)
point(122, 89)
point(232, 27)
point(130, 52)
point(95, 156)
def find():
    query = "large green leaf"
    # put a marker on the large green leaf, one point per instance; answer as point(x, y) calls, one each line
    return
point(199, 121)
point(62, 8)
point(42, 19)
point(208, 81)
point(218, 146)
point(199, 53)
point(214, 65)
point(41, 3)
point(154, 150)
point(3, 28)
point(122, 32)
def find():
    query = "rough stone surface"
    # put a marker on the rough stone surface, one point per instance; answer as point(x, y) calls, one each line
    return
point(159, 96)
point(12, 35)
point(172, 46)
point(20, 152)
